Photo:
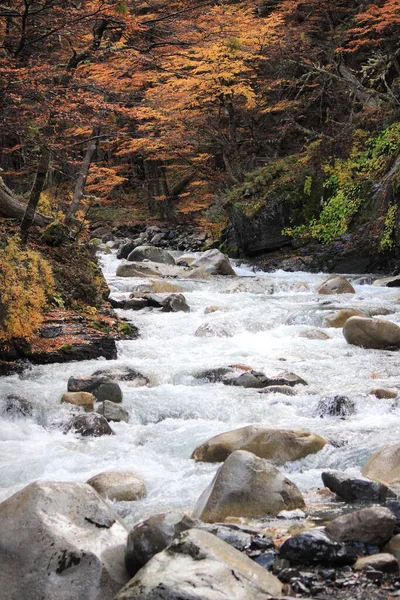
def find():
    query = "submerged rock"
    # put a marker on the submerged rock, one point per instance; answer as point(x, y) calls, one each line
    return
point(60, 541)
point(277, 445)
point(16, 406)
point(373, 525)
point(247, 486)
point(336, 284)
point(384, 466)
point(335, 406)
point(214, 262)
point(377, 334)
point(200, 566)
point(120, 486)
point(355, 489)
point(314, 547)
point(314, 334)
point(213, 330)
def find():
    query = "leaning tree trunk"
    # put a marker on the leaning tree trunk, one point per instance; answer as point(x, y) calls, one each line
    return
point(34, 197)
point(83, 174)
point(12, 208)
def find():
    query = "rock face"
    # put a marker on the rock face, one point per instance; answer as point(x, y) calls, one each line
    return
point(246, 486)
point(121, 486)
point(373, 525)
point(378, 334)
point(113, 412)
point(83, 399)
point(384, 466)
point(277, 445)
point(336, 285)
point(60, 540)
point(214, 262)
point(200, 566)
point(353, 489)
point(91, 424)
point(335, 406)
point(310, 547)
point(157, 255)
point(339, 318)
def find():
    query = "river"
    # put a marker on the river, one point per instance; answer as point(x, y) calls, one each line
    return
point(168, 419)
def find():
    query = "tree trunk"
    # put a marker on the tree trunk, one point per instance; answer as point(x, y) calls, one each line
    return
point(83, 173)
point(34, 197)
point(12, 208)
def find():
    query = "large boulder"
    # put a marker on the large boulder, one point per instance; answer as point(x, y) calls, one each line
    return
point(121, 486)
point(373, 525)
point(355, 489)
point(310, 547)
point(336, 284)
point(82, 399)
point(378, 334)
point(384, 466)
point(246, 486)
point(199, 566)
point(277, 445)
point(89, 425)
point(151, 253)
point(60, 541)
point(214, 262)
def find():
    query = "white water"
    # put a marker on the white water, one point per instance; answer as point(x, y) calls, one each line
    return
point(168, 419)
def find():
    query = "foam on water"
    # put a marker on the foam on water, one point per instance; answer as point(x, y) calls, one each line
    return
point(263, 314)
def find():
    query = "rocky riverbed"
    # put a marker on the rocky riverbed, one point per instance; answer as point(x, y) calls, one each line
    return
point(250, 406)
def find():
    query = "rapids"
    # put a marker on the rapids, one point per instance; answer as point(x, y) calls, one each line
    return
point(264, 317)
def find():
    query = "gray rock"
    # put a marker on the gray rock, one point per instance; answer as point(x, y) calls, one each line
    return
point(83, 384)
point(256, 379)
point(113, 412)
point(335, 406)
point(60, 540)
point(89, 424)
point(352, 489)
point(135, 304)
point(215, 375)
point(123, 373)
point(278, 389)
point(16, 406)
point(151, 253)
point(377, 334)
point(199, 566)
point(120, 486)
point(51, 331)
point(315, 547)
point(125, 250)
point(336, 284)
point(109, 390)
point(154, 300)
point(246, 486)
point(384, 562)
point(215, 263)
point(175, 303)
point(373, 525)
point(384, 466)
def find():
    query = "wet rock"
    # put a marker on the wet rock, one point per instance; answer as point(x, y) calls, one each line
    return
point(339, 318)
point(83, 399)
point(152, 269)
point(60, 540)
point(199, 565)
point(123, 373)
point(384, 466)
point(279, 389)
point(394, 506)
point(256, 379)
point(384, 393)
point(384, 562)
point(154, 300)
point(393, 546)
point(151, 253)
point(164, 287)
point(116, 303)
point(175, 303)
point(336, 285)
point(214, 308)
point(213, 330)
point(119, 486)
point(91, 424)
point(388, 281)
point(377, 334)
point(113, 412)
point(355, 489)
point(315, 547)
point(216, 375)
point(125, 250)
point(135, 304)
point(108, 390)
point(335, 406)
point(84, 384)
point(246, 486)
point(314, 334)
point(214, 262)
point(277, 445)
point(16, 406)
point(373, 525)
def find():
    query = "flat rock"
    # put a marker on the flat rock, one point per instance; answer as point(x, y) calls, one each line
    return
point(315, 547)
point(384, 562)
point(112, 411)
point(272, 443)
point(60, 541)
point(372, 525)
point(199, 566)
point(246, 486)
point(377, 334)
point(83, 399)
point(384, 466)
point(355, 489)
point(336, 284)
point(120, 486)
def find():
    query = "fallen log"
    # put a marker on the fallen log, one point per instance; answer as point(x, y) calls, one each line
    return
point(12, 208)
